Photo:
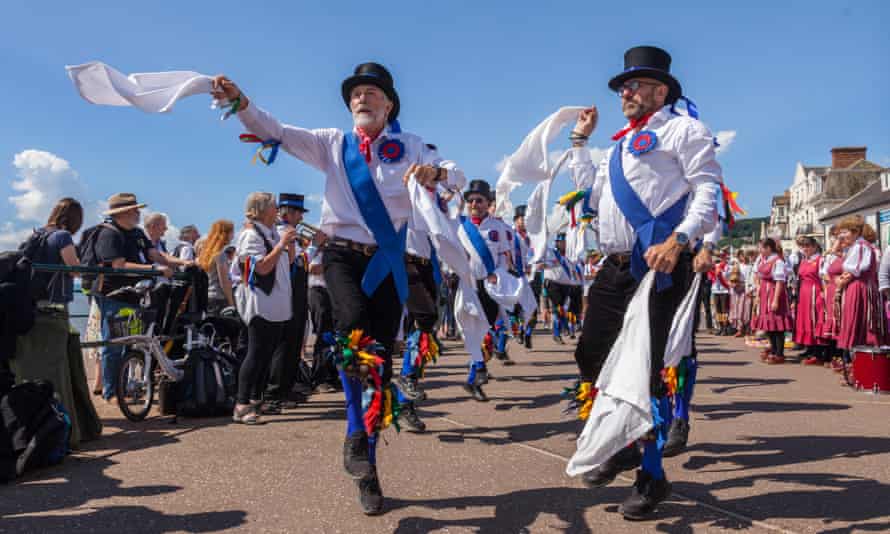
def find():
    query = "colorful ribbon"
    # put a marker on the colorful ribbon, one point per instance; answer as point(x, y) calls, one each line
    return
point(270, 144)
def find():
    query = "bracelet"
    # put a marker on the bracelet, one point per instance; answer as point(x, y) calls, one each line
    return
point(577, 135)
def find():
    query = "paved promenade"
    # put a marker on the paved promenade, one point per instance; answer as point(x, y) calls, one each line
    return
point(772, 448)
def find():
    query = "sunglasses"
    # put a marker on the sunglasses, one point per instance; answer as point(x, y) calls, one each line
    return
point(476, 200)
point(633, 86)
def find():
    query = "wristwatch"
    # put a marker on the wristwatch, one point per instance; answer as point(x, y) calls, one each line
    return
point(681, 238)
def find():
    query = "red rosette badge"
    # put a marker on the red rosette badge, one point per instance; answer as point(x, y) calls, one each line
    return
point(642, 142)
point(391, 151)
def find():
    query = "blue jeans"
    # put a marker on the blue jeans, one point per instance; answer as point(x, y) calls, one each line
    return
point(111, 356)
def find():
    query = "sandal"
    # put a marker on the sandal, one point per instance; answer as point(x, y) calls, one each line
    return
point(245, 415)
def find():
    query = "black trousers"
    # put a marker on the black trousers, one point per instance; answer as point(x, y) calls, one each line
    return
point(557, 293)
point(286, 361)
point(422, 297)
point(263, 340)
point(706, 302)
point(489, 306)
point(377, 315)
point(322, 316)
point(607, 302)
point(575, 295)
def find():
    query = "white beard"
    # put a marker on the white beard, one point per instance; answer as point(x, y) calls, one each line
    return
point(364, 120)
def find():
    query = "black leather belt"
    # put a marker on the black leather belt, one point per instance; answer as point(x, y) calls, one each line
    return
point(621, 258)
point(417, 260)
point(348, 244)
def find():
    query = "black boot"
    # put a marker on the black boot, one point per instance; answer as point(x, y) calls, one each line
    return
point(645, 496)
point(528, 341)
point(476, 392)
point(626, 459)
point(678, 436)
point(409, 418)
point(370, 495)
point(410, 388)
point(355, 455)
point(503, 357)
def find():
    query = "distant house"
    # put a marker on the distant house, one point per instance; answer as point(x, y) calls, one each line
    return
point(778, 219)
point(872, 203)
point(818, 191)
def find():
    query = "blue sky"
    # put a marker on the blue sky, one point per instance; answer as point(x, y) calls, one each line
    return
point(790, 79)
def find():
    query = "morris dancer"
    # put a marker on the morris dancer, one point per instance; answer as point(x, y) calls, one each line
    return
point(559, 277)
point(652, 192)
point(521, 254)
point(365, 212)
point(485, 239)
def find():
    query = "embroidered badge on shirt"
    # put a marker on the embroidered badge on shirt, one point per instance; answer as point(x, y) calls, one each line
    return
point(493, 235)
point(642, 142)
point(391, 151)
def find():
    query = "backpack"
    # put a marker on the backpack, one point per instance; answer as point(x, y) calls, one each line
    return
point(34, 249)
point(86, 251)
point(34, 429)
point(207, 388)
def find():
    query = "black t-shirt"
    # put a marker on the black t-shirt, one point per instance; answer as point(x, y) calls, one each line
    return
point(132, 245)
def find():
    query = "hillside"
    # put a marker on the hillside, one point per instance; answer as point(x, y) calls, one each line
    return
point(744, 232)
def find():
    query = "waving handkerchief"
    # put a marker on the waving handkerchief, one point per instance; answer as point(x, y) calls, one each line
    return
point(622, 411)
point(531, 161)
point(152, 92)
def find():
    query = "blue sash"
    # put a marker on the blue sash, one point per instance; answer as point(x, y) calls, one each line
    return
point(478, 243)
point(562, 261)
point(390, 255)
point(434, 260)
point(519, 260)
point(649, 230)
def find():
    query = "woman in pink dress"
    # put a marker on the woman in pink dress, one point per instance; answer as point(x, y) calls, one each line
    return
point(832, 268)
point(862, 321)
point(773, 317)
point(810, 302)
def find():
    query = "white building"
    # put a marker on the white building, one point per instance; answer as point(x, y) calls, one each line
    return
point(817, 191)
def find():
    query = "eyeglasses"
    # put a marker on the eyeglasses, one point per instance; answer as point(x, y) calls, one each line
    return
point(633, 86)
point(476, 200)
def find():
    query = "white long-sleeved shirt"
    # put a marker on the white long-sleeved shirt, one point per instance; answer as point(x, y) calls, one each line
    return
point(555, 271)
point(683, 161)
point(525, 253)
point(884, 270)
point(495, 233)
point(857, 258)
point(323, 149)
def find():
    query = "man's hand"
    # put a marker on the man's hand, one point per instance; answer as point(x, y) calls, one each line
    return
point(225, 89)
point(493, 278)
point(288, 236)
point(319, 239)
point(703, 262)
point(663, 258)
point(425, 175)
point(587, 121)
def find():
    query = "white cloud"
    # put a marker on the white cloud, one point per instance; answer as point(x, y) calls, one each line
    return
point(43, 178)
point(11, 237)
point(725, 139)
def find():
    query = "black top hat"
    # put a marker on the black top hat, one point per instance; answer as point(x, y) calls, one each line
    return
point(291, 200)
point(649, 62)
point(479, 187)
point(372, 74)
point(519, 212)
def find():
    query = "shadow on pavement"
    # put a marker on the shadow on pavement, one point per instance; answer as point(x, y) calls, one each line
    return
point(835, 498)
point(517, 511)
point(72, 485)
point(772, 452)
point(739, 383)
point(731, 410)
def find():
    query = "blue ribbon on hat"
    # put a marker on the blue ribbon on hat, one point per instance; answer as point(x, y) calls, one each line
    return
point(390, 255)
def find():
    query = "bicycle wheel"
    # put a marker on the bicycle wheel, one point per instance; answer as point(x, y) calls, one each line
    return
point(135, 387)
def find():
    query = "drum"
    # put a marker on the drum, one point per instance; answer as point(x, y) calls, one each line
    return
point(871, 369)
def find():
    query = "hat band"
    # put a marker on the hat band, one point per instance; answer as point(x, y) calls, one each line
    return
point(644, 67)
point(292, 204)
point(125, 204)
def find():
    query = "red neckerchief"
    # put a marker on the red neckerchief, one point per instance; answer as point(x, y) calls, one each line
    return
point(523, 233)
point(634, 124)
point(477, 220)
point(364, 145)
